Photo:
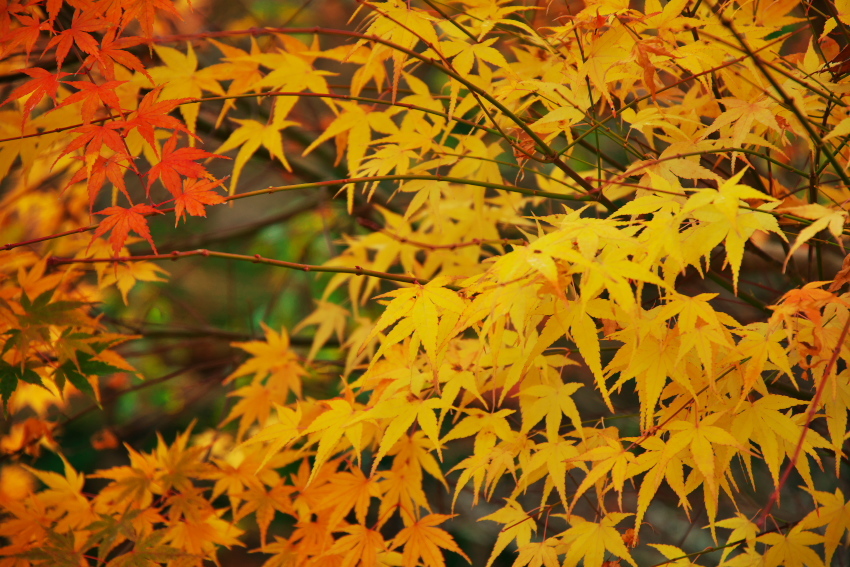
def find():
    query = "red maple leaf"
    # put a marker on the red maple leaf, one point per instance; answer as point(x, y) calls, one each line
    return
point(44, 83)
point(94, 136)
point(176, 162)
point(196, 193)
point(112, 51)
point(78, 35)
point(27, 34)
point(53, 7)
point(152, 114)
point(93, 96)
point(98, 172)
point(145, 11)
point(121, 221)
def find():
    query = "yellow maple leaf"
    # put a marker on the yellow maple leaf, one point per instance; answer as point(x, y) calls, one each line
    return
point(278, 435)
point(181, 80)
point(251, 135)
point(834, 513)
point(590, 541)
point(793, 549)
point(550, 402)
point(340, 419)
point(538, 554)
point(422, 541)
point(518, 527)
point(722, 219)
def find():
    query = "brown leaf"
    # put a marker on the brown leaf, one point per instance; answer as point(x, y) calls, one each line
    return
point(843, 275)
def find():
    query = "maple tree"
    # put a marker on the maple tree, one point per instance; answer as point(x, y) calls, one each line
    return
point(584, 282)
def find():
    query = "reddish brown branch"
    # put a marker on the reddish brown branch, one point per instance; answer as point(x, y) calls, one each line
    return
point(810, 415)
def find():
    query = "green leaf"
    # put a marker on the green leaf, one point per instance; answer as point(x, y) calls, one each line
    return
point(77, 374)
point(9, 377)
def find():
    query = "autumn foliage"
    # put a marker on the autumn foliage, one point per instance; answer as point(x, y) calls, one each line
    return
point(528, 284)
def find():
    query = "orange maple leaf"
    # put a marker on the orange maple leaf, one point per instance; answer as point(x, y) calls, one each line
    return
point(422, 540)
point(360, 547)
point(93, 96)
point(27, 34)
point(112, 51)
point(152, 114)
point(347, 491)
point(176, 162)
point(98, 172)
point(94, 136)
point(43, 83)
point(145, 11)
point(121, 221)
point(196, 193)
point(77, 35)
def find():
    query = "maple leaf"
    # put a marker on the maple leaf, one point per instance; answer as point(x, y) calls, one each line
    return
point(263, 503)
point(824, 218)
point(641, 51)
point(151, 114)
point(762, 421)
point(133, 483)
point(64, 492)
point(551, 402)
point(423, 311)
point(741, 115)
point(701, 439)
point(292, 72)
point(834, 513)
point(793, 549)
point(590, 541)
point(201, 536)
point(148, 551)
point(280, 434)
point(842, 276)
point(402, 486)
point(340, 419)
point(252, 134)
point(27, 33)
point(179, 79)
point(556, 458)
point(402, 414)
point(358, 124)
point(44, 83)
point(722, 219)
point(273, 359)
point(346, 491)
point(121, 221)
point(422, 540)
point(241, 68)
point(77, 35)
point(360, 547)
point(176, 162)
point(146, 12)
point(255, 406)
point(99, 171)
point(403, 26)
point(93, 96)
point(742, 529)
point(538, 554)
point(113, 50)
point(518, 527)
point(196, 193)
point(93, 137)
point(331, 319)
